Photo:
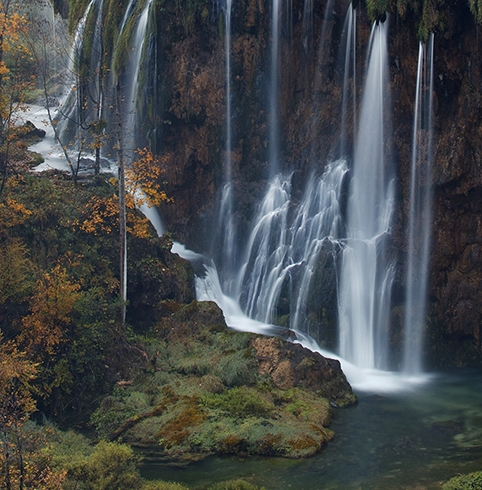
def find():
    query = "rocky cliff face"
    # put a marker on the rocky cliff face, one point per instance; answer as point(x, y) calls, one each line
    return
point(189, 121)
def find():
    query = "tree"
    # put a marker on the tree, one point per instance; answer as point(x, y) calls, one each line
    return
point(122, 210)
point(47, 326)
point(15, 78)
point(16, 404)
point(22, 462)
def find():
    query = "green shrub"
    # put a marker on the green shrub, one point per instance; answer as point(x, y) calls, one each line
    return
point(106, 466)
point(472, 481)
point(112, 467)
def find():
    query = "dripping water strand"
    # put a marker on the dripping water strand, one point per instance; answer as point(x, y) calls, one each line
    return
point(419, 213)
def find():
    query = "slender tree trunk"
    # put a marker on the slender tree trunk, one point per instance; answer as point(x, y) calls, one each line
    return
point(6, 455)
point(122, 212)
point(3, 159)
point(44, 75)
point(99, 130)
point(21, 465)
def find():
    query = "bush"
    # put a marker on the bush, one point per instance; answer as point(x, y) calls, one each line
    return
point(472, 481)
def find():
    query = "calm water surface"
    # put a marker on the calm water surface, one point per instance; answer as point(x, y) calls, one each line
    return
point(412, 440)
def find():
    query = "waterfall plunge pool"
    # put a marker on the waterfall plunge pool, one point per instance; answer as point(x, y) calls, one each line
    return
point(413, 439)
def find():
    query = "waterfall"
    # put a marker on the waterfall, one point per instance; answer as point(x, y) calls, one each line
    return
point(286, 247)
point(274, 152)
point(315, 231)
point(226, 218)
point(366, 272)
point(419, 220)
point(129, 11)
point(131, 87)
point(349, 30)
point(69, 113)
point(263, 272)
point(307, 29)
point(320, 236)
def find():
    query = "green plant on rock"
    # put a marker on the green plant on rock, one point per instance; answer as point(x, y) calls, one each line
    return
point(190, 11)
point(471, 481)
point(163, 485)
point(235, 485)
point(432, 19)
point(76, 11)
point(476, 9)
point(376, 8)
point(241, 401)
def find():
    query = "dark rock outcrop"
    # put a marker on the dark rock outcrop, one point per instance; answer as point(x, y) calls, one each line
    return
point(291, 365)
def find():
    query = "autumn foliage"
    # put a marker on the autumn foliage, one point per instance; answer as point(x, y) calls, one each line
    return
point(144, 186)
point(16, 80)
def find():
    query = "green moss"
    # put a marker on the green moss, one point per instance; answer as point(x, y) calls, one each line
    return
point(192, 11)
point(471, 481)
point(240, 402)
point(76, 11)
point(476, 9)
point(113, 14)
point(122, 49)
point(376, 8)
point(162, 485)
point(235, 485)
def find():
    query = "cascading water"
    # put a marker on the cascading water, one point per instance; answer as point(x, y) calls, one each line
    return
point(263, 272)
point(419, 220)
point(307, 29)
point(284, 248)
point(129, 11)
point(314, 237)
point(349, 30)
point(69, 107)
point(274, 153)
point(299, 239)
point(366, 272)
point(131, 86)
point(226, 219)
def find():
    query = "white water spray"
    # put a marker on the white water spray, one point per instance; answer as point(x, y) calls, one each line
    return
point(226, 218)
point(420, 213)
point(132, 86)
point(366, 272)
point(274, 153)
point(349, 30)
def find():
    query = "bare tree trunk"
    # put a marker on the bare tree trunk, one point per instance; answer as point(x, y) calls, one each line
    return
point(6, 455)
point(44, 77)
point(122, 212)
point(21, 465)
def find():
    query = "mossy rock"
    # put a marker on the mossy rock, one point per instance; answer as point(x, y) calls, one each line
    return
point(200, 415)
point(214, 390)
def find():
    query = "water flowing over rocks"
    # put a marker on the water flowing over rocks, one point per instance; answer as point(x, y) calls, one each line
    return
point(186, 121)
